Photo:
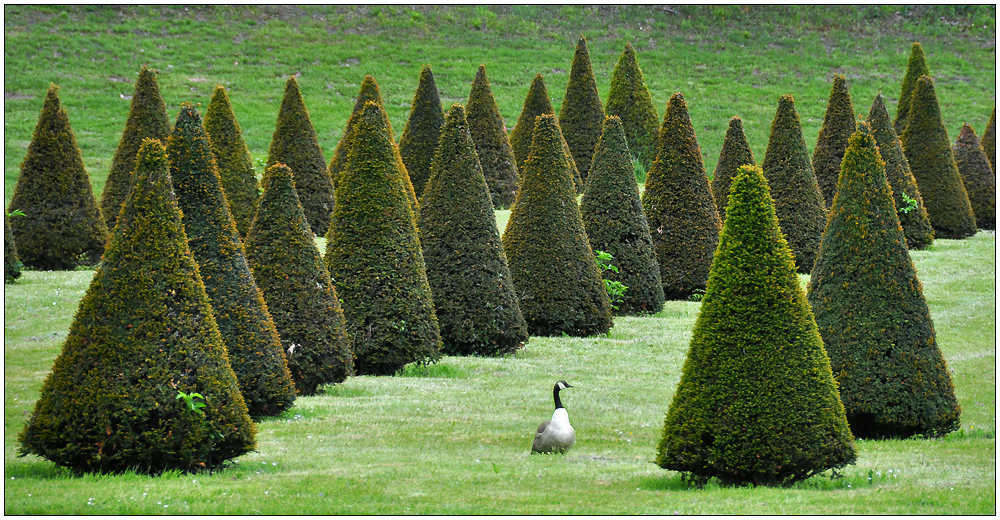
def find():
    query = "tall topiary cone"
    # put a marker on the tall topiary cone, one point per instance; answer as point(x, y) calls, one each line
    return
point(147, 117)
point(247, 329)
point(294, 144)
point(62, 226)
point(466, 266)
point(871, 310)
point(492, 146)
point(612, 214)
point(989, 141)
point(239, 181)
point(144, 331)
point(798, 200)
point(295, 284)
point(681, 212)
point(915, 67)
point(628, 98)
point(11, 262)
point(373, 254)
point(535, 104)
point(420, 135)
point(756, 402)
point(735, 153)
point(552, 264)
point(581, 116)
point(928, 150)
point(838, 125)
point(977, 176)
point(912, 214)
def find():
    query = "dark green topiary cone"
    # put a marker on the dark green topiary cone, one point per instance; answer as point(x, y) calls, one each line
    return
point(295, 284)
point(838, 125)
point(989, 141)
point(915, 67)
point(11, 262)
point(977, 176)
point(144, 331)
point(871, 310)
point(420, 135)
point(492, 146)
point(757, 402)
point(581, 116)
point(628, 98)
point(735, 153)
point(535, 104)
point(239, 181)
point(247, 329)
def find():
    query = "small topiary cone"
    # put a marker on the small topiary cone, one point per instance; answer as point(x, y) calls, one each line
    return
point(492, 146)
point(11, 262)
point(735, 153)
point(420, 135)
point(838, 125)
point(915, 67)
point(239, 181)
point(247, 329)
point(295, 284)
point(535, 104)
point(681, 212)
point(871, 310)
point(615, 223)
point(466, 267)
point(581, 116)
point(553, 267)
point(928, 150)
point(977, 176)
point(756, 402)
point(62, 226)
point(144, 331)
point(629, 99)
point(294, 144)
point(989, 141)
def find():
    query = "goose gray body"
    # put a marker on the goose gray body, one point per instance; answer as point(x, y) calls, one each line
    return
point(555, 435)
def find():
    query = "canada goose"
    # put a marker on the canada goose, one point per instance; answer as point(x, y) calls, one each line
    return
point(555, 435)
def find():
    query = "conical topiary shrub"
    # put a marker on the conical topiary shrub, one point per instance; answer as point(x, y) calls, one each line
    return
point(144, 332)
point(247, 329)
point(492, 145)
point(297, 288)
point(797, 198)
point(535, 104)
point(909, 204)
point(681, 212)
point(871, 310)
point(915, 67)
point(838, 125)
point(615, 223)
point(977, 176)
point(232, 159)
point(420, 135)
point(11, 262)
point(735, 153)
point(294, 144)
point(147, 118)
point(466, 266)
point(374, 257)
point(62, 226)
point(581, 116)
point(989, 141)
point(555, 275)
point(756, 402)
point(928, 150)
point(628, 98)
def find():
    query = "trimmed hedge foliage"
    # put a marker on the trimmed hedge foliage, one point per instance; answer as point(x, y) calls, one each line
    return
point(535, 104)
point(555, 275)
point(147, 118)
point(838, 126)
point(423, 127)
point(798, 200)
point(492, 145)
point(581, 116)
point(11, 262)
point(735, 153)
point(62, 226)
point(871, 311)
point(239, 181)
point(977, 176)
point(247, 329)
point(916, 225)
point(679, 206)
point(143, 332)
point(928, 150)
point(297, 288)
point(756, 402)
point(374, 257)
point(989, 141)
point(466, 266)
point(294, 144)
point(628, 98)
point(615, 223)
point(915, 67)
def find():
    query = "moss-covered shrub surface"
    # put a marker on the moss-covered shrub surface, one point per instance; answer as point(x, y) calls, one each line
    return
point(232, 159)
point(838, 125)
point(989, 140)
point(423, 127)
point(537, 103)
point(492, 145)
point(916, 66)
point(581, 116)
point(11, 262)
point(977, 176)
point(735, 153)
point(629, 99)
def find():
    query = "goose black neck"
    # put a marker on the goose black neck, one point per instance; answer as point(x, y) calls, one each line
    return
point(555, 397)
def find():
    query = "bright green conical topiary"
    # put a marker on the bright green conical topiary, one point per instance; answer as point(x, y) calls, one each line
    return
point(11, 262)
point(492, 145)
point(144, 332)
point(247, 329)
point(989, 141)
point(612, 214)
point(735, 153)
point(977, 176)
point(756, 402)
point(555, 275)
point(871, 310)
point(374, 256)
point(420, 135)
point(535, 104)
point(915, 67)
point(838, 125)
point(62, 226)
point(239, 181)
point(581, 116)
point(679, 206)
point(295, 284)
point(629, 99)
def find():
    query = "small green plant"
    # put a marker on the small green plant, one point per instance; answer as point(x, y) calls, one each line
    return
point(195, 405)
point(16, 213)
point(616, 290)
point(696, 295)
point(911, 204)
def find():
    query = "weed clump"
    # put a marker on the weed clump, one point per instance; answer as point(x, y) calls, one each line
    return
point(915, 68)
point(977, 176)
point(629, 99)
point(582, 114)
point(239, 181)
point(838, 126)
point(735, 153)
point(11, 262)
point(535, 104)
point(492, 145)
point(989, 141)
point(420, 135)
